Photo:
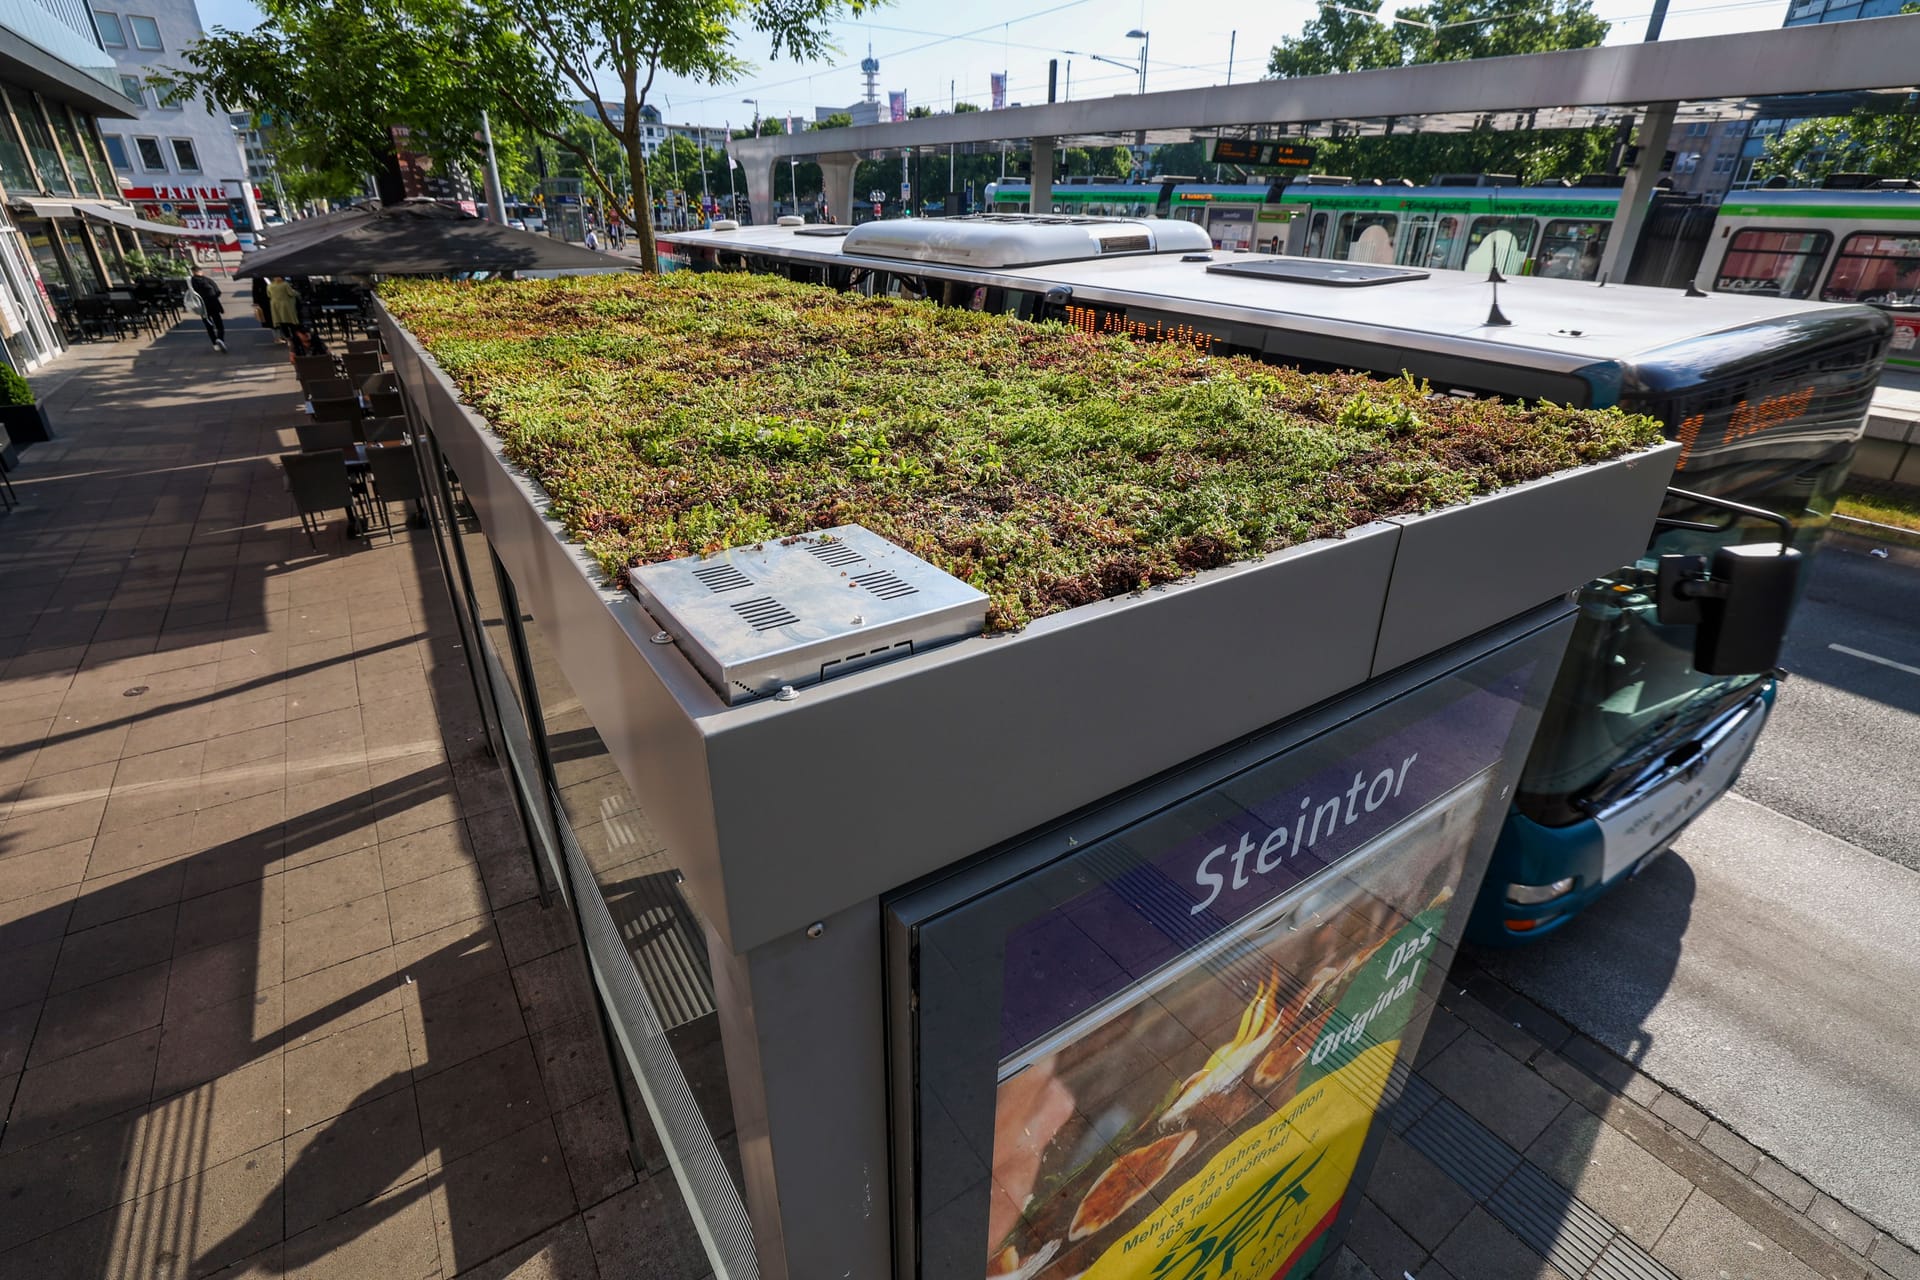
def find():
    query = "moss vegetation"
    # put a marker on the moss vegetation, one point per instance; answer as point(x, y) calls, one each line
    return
point(689, 413)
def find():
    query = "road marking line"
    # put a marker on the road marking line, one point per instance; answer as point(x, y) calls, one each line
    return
point(1874, 657)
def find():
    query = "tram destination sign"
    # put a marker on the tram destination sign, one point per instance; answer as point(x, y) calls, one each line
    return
point(1262, 155)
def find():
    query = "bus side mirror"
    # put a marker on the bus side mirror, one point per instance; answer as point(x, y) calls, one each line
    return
point(1739, 604)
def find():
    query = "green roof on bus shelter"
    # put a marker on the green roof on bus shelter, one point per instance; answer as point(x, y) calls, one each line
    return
point(688, 413)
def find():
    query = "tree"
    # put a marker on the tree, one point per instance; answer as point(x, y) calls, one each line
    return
point(960, 107)
point(919, 113)
point(1337, 40)
point(1887, 144)
point(838, 120)
point(347, 72)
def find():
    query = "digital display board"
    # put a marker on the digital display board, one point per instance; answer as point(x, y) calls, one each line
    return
point(1262, 155)
point(1159, 1056)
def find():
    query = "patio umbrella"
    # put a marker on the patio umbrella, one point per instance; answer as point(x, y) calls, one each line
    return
point(415, 239)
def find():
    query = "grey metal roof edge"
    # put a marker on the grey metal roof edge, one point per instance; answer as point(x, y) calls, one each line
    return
point(23, 61)
point(780, 813)
point(1825, 57)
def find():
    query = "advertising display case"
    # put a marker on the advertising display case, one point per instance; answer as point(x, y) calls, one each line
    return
point(1152, 1043)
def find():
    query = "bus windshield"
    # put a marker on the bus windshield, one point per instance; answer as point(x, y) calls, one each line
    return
point(1628, 692)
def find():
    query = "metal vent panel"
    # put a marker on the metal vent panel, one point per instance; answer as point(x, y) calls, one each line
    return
point(802, 610)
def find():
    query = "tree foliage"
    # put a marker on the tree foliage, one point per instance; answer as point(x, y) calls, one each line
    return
point(337, 74)
point(1336, 40)
point(1885, 144)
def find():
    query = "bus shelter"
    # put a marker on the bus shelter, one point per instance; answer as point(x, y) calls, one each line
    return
point(1089, 950)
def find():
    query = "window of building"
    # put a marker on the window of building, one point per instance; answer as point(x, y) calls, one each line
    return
point(185, 156)
point(146, 32)
point(151, 157)
point(1698, 129)
point(117, 151)
point(112, 34)
point(1782, 264)
point(1724, 164)
point(15, 172)
point(131, 86)
point(79, 164)
point(1875, 266)
point(26, 110)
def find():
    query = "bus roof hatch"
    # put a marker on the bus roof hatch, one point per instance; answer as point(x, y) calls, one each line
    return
point(1021, 240)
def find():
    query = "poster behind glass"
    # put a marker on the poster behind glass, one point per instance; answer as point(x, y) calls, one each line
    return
point(1207, 1124)
point(1150, 1045)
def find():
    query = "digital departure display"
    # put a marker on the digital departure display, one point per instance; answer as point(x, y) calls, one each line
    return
point(1262, 155)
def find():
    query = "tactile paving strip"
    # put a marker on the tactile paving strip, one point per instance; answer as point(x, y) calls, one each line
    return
point(1552, 1221)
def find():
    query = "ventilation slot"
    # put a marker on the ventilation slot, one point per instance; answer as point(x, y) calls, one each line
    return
point(834, 553)
point(886, 585)
point(764, 614)
point(722, 577)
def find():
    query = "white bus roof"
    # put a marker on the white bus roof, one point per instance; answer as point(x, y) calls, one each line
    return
point(1562, 325)
point(1012, 240)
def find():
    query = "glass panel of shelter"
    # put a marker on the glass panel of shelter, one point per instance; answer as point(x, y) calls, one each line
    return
point(572, 794)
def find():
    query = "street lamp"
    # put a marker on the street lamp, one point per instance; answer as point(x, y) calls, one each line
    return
point(1386, 19)
point(755, 104)
point(1140, 67)
point(1141, 36)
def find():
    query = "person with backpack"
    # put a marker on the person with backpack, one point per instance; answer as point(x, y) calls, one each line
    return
point(212, 313)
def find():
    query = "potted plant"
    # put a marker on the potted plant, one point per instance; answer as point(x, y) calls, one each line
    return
point(22, 421)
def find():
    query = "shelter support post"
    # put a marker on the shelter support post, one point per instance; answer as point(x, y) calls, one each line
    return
point(802, 1021)
point(836, 183)
point(1636, 194)
point(760, 188)
point(1041, 201)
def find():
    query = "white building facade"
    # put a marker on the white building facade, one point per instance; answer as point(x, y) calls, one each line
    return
point(176, 158)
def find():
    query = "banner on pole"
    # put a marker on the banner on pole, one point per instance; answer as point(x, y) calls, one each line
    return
point(999, 79)
point(897, 104)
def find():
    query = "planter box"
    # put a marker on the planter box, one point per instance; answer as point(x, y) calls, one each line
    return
point(957, 749)
point(21, 425)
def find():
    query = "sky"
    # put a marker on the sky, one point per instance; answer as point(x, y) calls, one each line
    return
point(939, 51)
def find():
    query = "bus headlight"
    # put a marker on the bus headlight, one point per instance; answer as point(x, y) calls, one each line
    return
point(1528, 895)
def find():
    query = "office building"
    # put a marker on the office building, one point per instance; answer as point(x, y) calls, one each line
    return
point(174, 157)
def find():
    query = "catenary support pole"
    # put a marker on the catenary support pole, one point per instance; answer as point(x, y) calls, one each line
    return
point(496, 198)
point(1636, 192)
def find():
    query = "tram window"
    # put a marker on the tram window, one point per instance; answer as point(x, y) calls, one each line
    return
point(1875, 266)
point(1365, 237)
point(1316, 235)
point(1781, 263)
point(1429, 241)
point(1500, 242)
point(1570, 249)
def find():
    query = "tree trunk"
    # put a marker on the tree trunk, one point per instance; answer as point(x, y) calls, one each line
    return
point(642, 202)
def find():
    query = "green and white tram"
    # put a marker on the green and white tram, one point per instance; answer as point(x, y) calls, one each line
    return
point(1559, 232)
point(1836, 246)
point(1767, 395)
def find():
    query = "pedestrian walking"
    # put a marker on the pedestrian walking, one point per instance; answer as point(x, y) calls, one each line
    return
point(283, 304)
point(212, 313)
point(261, 305)
point(593, 241)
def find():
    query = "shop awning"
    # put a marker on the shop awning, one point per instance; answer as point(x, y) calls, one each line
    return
point(121, 216)
point(47, 208)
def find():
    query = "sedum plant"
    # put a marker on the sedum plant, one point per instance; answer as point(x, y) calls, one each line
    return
point(683, 414)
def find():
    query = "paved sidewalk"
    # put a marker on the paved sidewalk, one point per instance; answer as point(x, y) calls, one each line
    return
point(276, 993)
point(1523, 1150)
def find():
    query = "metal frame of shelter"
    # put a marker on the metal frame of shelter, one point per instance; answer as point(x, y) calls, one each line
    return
point(1706, 77)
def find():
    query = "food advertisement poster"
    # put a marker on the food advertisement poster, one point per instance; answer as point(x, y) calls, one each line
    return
point(1203, 1123)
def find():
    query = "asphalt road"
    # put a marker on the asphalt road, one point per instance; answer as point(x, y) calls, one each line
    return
point(1769, 968)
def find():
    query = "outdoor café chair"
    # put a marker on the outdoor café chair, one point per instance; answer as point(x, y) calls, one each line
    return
point(319, 437)
point(95, 316)
point(363, 346)
point(395, 479)
point(318, 483)
point(328, 389)
point(381, 381)
point(361, 367)
point(307, 368)
point(338, 409)
point(381, 430)
point(132, 313)
point(385, 404)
